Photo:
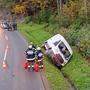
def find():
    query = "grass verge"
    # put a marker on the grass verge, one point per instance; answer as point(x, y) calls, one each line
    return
point(78, 71)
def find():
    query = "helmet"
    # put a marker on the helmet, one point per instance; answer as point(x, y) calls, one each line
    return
point(30, 46)
point(31, 43)
point(38, 48)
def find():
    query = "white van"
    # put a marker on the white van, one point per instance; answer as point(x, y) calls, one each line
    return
point(58, 49)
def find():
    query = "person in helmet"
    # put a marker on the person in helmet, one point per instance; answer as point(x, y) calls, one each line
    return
point(30, 57)
point(30, 53)
point(39, 55)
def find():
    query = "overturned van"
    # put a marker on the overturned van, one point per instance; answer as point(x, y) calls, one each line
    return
point(58, 49)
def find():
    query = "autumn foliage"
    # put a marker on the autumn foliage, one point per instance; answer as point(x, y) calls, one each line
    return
point(32, 7)
point(19, 9)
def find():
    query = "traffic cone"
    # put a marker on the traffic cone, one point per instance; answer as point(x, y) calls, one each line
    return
point(4, 64)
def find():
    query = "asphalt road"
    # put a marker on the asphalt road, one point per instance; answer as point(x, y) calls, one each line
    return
point(14, 77)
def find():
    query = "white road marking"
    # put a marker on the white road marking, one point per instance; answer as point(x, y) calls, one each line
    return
point(6, 50)
point(6, 37)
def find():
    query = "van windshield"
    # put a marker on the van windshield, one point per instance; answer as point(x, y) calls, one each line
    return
point(64, 50)
point(56, 43)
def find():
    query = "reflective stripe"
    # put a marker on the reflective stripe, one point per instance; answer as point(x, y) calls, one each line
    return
point(41, 66)
point(39, 60)
point(31, 59)
point(29, 66)
point(32, 65)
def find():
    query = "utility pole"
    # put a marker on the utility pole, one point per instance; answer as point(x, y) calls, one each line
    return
point(59, 9)
point(85, 5)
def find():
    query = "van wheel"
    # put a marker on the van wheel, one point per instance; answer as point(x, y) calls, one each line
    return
point(59, 66)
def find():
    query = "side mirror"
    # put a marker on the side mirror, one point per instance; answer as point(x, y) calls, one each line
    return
point(49, 48)
point(45, 41)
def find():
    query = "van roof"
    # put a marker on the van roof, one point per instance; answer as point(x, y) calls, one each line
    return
point(59, 37)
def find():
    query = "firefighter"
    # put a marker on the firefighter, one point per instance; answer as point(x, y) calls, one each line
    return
point(30, 56)
point(39, 55)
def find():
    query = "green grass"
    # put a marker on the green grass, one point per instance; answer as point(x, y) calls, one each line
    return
point(77, 70)
point(34, 33)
